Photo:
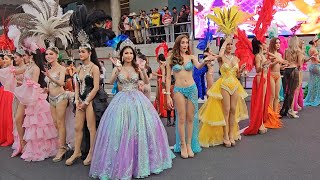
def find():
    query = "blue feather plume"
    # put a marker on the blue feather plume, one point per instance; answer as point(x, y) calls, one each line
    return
point(115, 41)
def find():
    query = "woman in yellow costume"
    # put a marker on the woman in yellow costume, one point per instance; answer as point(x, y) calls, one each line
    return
point(225, 106)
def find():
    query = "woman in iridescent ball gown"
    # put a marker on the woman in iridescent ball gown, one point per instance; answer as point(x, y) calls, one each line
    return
point(131, 140)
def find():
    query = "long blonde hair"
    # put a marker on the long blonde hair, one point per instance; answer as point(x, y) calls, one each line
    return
point(294, 49)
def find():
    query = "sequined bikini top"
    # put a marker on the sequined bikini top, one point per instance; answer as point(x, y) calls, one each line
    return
point(187, 67)
point(54, 76)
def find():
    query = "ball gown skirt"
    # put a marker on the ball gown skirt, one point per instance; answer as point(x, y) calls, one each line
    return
point(131, 140)
point(313, 96)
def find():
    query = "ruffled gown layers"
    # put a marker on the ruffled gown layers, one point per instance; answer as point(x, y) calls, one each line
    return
point(40, 133)
point(131, 140)
point(211, 112)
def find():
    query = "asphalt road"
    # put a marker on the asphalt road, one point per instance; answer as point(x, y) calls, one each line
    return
point(290, 153)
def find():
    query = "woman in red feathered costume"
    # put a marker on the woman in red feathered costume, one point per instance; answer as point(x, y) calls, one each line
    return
point(6, 97)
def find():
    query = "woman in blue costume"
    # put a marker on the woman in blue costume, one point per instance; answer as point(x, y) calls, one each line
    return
point(185, 98)
point(313, 96)
point(131, 140)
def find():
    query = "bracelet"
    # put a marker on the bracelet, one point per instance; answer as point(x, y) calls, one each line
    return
point(76, 101)
point(167, 93)
point(163, 83)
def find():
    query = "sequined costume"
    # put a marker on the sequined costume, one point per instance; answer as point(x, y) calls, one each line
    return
point(99, 104)
point(131, 141)
point(211, 112)
point(191, 93)
point(54, 100)
point(313, 96)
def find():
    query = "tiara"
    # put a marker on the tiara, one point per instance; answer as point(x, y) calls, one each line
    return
point(21, 52)
point(126, 43)
point(6, 53)
point(83, 38)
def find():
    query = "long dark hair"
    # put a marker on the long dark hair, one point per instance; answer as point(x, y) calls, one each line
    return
point(39, 59)
point(94, 57)
point(161, 57)
point(255, 46)
point(134, 61)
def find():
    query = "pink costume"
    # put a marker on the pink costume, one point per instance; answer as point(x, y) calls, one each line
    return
point(40, 133)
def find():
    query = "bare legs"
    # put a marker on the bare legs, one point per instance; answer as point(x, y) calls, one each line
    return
point(81, 116)
point(58, 114)
point(185, 110)
point(229, 103)
point(19, 122)
point(275, 90)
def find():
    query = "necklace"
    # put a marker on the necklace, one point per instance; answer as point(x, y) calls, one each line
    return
point(85, 67)
point(229, 57)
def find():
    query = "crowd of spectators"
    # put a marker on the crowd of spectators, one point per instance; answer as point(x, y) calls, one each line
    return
point(155, 26)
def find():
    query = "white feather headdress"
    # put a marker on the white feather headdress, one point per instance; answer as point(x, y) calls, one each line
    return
point(43, 18)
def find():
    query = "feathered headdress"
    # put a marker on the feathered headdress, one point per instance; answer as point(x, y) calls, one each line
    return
point(115, 42)
point(204, 43)
point(264, 20)
point(165, 48)
point(119, 42)
point(5, 42)
point(273, 31)
point(43, 18)
point(83, 38)
point(228, 19)
point(283, 45)
point(244, 50)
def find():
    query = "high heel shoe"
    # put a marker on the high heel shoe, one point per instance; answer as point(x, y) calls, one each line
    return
point(87, 162)
point(63, 154)
point(20, 148)
point(291, 115)
point(16, 153)
point(233, 142)
point(263, 131)
point(70, 161)
point(173, 124)
point(189, 151)
point(168, 122)
point(184, 152)
point(227, 143)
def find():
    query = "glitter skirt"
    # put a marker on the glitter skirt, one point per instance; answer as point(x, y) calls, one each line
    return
point(131, 140)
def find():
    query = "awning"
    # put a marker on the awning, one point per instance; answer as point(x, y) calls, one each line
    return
point(10, 2)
